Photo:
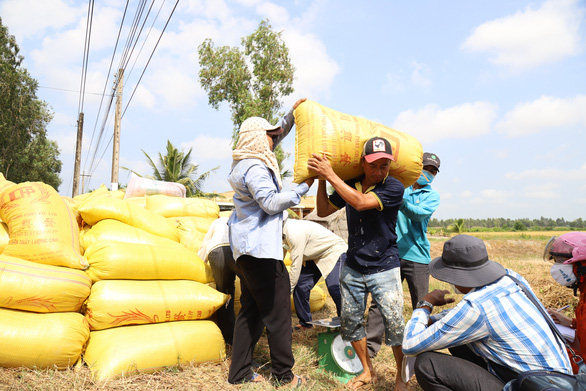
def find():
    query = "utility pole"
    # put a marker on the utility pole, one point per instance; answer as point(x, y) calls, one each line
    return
point(116, 142)
point(77, 156)
point(83, 181)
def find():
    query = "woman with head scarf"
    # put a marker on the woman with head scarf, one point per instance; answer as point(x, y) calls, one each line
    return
point(256, 229)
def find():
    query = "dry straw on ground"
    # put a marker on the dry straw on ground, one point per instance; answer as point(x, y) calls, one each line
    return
point(523, 256)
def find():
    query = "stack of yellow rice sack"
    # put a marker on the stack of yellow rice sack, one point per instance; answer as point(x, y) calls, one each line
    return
point(149, 304)
point(42, 282)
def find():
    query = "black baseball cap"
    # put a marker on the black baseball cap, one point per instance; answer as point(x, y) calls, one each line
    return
point(377, 148)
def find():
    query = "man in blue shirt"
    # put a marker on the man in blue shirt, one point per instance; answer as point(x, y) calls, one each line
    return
point(419, 203)
point(493, 334)
point(255, 231)
point(372, 202)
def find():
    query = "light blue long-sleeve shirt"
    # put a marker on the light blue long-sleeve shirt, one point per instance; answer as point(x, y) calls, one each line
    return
point(256, 225)
point(412, 220)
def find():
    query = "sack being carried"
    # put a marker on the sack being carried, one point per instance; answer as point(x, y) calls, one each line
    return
point(341, 138)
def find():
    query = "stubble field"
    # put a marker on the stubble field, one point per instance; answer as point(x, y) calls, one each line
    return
point(523, 254)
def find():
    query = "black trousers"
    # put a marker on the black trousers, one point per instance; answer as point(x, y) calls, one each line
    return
point(266, 302)
point(224, 271)
point(462, 371)
point(417, 276)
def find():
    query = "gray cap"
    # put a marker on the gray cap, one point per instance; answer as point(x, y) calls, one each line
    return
point(431, 159)
point(464, 262)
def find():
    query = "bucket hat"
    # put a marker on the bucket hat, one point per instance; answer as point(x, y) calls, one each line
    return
point(464, 262)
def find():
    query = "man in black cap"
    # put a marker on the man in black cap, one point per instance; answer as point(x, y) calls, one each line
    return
point(494, 333)
point(419, 203)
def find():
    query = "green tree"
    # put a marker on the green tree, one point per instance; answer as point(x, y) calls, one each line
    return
point(176, 166)
point(459, 226)
point(252, 80)
point(25, 152)
point(519, 226)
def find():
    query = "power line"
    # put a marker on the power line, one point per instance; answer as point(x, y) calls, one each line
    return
point(86, 53)
point(76, 91)
point(104, 94)
point(151, 56)
point(131, 43)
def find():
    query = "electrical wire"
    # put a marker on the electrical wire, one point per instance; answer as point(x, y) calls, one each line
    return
point(104, 94)
point(86, 54)
point(131, 43)
point(151, 56)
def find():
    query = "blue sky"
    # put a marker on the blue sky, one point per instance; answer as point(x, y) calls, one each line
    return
point(497, 89)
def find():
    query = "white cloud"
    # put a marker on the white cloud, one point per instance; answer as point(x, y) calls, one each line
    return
point(277, 14)
point(544, 191)
point(491, 196)
point(315, 70)
point(431, 123)
point(420, 75)
point(30, 18)
point(562, 176)
point(545, 113)
point(531, 37)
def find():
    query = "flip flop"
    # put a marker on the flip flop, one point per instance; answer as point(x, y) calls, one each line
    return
point(257, 378)
point(296, 382)
point(299, 382)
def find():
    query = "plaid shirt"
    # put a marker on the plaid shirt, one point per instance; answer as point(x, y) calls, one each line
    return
point(498, 322)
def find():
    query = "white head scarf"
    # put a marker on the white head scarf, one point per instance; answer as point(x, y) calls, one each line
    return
point(253, 144)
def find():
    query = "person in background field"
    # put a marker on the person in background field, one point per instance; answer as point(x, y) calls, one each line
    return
point(372, 260)
point(494, 333)
point(315, 252)
point(215, 250)
point(568, 251)
point(256, 240)
point(419, 203)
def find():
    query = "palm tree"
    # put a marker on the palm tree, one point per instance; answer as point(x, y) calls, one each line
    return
point(176, 166)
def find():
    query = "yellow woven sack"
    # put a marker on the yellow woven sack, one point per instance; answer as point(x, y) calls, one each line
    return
point(225, 213)
point(126, 302)
point(42, 226)
point(140, 201)
point(129, 350)
point(341, 137)
point(287, 260)
point(98, 209)
point(167, 206)
point(193, 223)
point(73, 206)
point(35, 287)
point(101, 191)
point(4, 237)
point(317, 299)
point(112, 260)
point(41, 340)
point(110, 229)
point(190, 236)
point(4, 183)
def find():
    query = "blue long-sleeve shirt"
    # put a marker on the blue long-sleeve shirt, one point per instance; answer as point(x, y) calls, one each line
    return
point(412, 220)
